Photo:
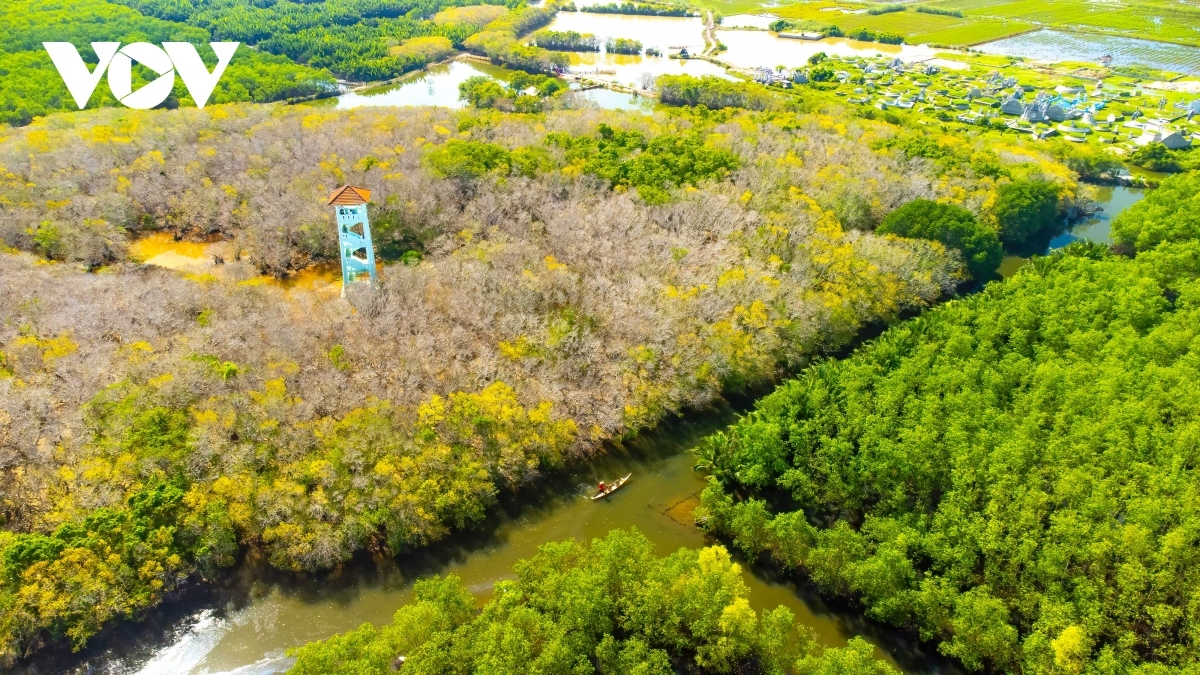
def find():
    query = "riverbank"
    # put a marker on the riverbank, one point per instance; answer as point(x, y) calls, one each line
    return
point(245, 620)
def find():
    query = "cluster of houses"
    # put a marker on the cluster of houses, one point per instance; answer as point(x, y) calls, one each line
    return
point(1072, 111)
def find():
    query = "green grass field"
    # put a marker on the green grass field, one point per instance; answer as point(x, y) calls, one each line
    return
point(986, 20)
point(916, 27)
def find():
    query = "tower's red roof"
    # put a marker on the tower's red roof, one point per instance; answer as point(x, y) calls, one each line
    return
point(349, 195)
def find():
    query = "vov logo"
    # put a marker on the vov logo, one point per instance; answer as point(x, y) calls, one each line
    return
point(172, 57)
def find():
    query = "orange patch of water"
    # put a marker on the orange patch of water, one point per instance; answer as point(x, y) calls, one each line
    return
point(144, 249)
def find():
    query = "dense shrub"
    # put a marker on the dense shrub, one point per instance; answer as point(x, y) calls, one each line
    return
point(940, 11)
point(613, 607)
point(481, 91)
point(709, 91)
point(540, 308)
point(1026, 209)
point(1012, 475)
point(1157, 157)
point(1170, 212)
point(30, 86)
point(952, 225)
point(664, 162)
point(876, 10)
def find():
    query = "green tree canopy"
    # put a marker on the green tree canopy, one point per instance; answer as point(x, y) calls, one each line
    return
point(1013, 475)
point(1169, 213)
point(480, 91)
point(952, 225)
point(1025, 209)
point(613, 607)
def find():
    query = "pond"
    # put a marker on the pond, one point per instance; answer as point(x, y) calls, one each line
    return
point(246, 623)
point(435, 85)
point(751, 49)
point(1097, 228)
point(615, 100)
point(1054, 45)
point(662, 32)
point(626, 69)
point(161, 249)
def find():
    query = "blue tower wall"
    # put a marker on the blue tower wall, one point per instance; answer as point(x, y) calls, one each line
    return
point(358, 255)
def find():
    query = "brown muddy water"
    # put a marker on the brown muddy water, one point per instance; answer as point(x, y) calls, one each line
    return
point(244, 623)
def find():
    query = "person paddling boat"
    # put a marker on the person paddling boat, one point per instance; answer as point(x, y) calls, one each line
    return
point(606, 489)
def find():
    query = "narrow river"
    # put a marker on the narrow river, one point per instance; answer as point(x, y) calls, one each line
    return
point(245, 623)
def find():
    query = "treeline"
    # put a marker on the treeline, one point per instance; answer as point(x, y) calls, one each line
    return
point(498, 41)
point(482, 91)
point(1167, 214)
point(622, 46)
point(612, 607)
point(31, 87)
point(876, 10)
point(940, 11)
point(831, 30)
point(351, 38)
point(569, 278)
point(566, 41)
point(868, 35)
point(1011, 476)
point(638, 9)
point(711, 92)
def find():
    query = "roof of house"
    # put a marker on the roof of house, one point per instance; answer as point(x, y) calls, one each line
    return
point(349, 195)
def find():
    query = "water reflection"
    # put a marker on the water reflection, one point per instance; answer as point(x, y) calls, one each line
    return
point(662, 32)
point(1096, 228)
point(436, 85)
point(625, 69)
point(245, 622)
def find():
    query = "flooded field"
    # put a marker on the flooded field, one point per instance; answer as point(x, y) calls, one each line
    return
point(750, 49)
point(748, 21)
point(246, 624)
point(1053, 45)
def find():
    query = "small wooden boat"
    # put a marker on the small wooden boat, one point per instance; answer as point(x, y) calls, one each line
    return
point(611, 488)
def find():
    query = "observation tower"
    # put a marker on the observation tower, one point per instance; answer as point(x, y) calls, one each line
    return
point(354, 234)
